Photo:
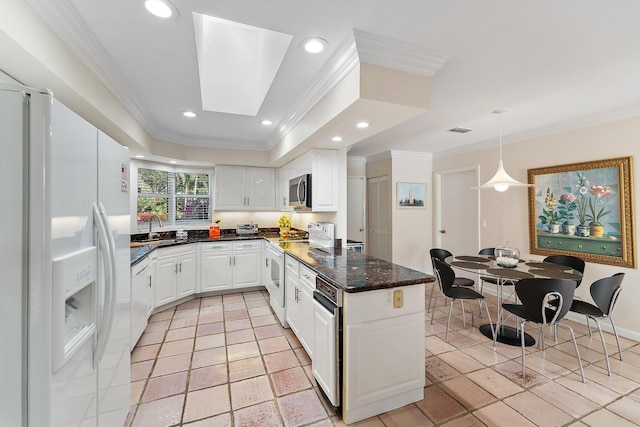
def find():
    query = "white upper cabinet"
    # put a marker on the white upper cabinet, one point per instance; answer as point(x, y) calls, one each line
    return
point(245, 188)
point(323, 167)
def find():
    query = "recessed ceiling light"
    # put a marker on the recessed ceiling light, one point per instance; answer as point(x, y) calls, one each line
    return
point(173, 162)
point(314, 44)
point(267, 122)
point(189, 114)
point(161, 8)
point(336, 139)
point(139, 156)
point(362, 125)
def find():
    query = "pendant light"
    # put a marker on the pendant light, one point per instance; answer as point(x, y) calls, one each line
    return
point(501, 181)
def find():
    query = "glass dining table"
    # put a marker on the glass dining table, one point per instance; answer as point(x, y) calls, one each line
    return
point(507, 276)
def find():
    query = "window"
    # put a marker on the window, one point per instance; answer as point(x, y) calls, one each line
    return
point(177, 197)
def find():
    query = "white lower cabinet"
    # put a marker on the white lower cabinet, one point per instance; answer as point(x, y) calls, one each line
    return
point(142, 297)
point(300, 282)
point(175, 273)
point(229, 265)
point(384, 352)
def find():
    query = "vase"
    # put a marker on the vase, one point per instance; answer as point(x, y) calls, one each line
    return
point(597, 230)
point(569, 229)
point(554, 228)
point(584, 230)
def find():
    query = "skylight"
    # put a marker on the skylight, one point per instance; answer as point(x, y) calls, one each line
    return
point(237, 63)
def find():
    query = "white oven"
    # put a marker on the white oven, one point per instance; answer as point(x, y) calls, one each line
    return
point(274, 280)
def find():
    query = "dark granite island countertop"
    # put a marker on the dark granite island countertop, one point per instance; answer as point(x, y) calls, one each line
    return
point(353, 271)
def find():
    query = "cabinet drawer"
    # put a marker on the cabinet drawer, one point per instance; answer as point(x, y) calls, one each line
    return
point(217, 246)
point(383, 304)
point(292, 266)
point(307, 278)
point(176, 250)
point(247, 244)
point(592, 245)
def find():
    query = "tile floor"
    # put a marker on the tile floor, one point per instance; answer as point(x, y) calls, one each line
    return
point(225, 361)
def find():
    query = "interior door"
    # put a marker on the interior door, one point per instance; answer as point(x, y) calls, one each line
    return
point(379, 213)
point(356, 208)
point(458, 218)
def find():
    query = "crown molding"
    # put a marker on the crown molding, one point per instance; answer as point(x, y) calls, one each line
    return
point(390, 53)
point(396, 154)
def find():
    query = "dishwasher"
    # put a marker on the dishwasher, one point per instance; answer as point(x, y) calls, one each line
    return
point(327, 342)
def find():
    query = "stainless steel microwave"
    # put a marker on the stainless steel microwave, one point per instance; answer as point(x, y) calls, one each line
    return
point(300, 192)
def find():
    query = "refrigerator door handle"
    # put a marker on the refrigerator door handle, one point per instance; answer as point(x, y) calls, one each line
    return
point(105, 237)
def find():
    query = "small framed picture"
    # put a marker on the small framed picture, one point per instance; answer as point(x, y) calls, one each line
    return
point(411, 195)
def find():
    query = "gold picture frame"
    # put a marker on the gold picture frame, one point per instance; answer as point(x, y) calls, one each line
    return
point(585, 210)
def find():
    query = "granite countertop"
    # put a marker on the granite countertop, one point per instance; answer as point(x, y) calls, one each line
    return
point(351, 271)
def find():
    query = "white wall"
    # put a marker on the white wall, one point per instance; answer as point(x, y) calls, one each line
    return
point(507, 213)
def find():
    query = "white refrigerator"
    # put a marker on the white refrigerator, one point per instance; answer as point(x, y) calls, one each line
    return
point(66, 297)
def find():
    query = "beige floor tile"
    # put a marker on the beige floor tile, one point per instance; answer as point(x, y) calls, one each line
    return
point(211, 301)
point(237, 337)
point(165, 386)
point(207, 377)
point(537, 410)
point(180, 334)
point(250, 392)
point(301, 408)
point(495, 383)
point(210, 341)
point(210, 356)
point(163, 315)
point(279, 361)
point(159, 413)
point(604, 417)
point(439, 406)
point(268, 331)
point(141, 370)
point(591, 390)
point(485, 355)
point(161, 325)
point(232, 298)
point(246, 368)
point(500, 415)
point(264, 320)
point(467, 393)
point(408, 415)
point(171, 364)
point(565, 399)
point(257, 303)
point(614, 382)
point(626, 408)
point(187, 312)
point(461, 362)
point(213, 317)
point(513, 371)
point(223, 420)
point(435, 345)
point(242, 351)
point(437, 370)
point(466, 421)
point(210, 328)
point(236, 315)
point(147, 352)
point(289, 381)
point(262, 414)
point(235, 306)
point(260, 311)
point(206, 403)
point(137, 387)
point(176, 347)
point(236, 325)
point(183, 322)
point(149, 338)
point(273, 345)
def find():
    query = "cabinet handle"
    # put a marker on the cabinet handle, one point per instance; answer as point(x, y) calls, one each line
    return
point(149, 280)
point(266, 262)
point(284, 201)
point(234, 260)
point(180, 269)
point(175, 268)
point(230, 260)
point(297, 297)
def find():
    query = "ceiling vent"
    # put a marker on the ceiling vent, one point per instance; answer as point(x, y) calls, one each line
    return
point(460, 130)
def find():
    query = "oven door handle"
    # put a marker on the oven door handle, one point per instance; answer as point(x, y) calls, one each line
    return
point(325, 302)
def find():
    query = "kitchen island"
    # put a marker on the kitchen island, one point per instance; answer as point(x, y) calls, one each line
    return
point(375, 345)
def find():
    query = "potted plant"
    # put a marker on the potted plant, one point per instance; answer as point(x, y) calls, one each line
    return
point(550, 217)
point(567, 206)
point(596, 207)
point(583, 228)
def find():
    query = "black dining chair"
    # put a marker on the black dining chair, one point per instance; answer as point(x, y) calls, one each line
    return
point(568, 261)
point(535, 295)
point(605, 293)
point(442, 254)
point(446, 279)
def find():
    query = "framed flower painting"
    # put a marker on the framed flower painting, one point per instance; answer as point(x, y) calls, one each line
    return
point(584, 210)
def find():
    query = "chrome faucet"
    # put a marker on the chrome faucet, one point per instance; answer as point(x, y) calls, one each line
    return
point(154, 216)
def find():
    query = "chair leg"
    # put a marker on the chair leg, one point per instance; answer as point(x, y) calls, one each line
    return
point(446, 335)
point(522, 345)
point(493, 329)
point(431, 297)
point(464, 315)
point(575, 346)
point(617, 338)
point(604, 346)
point(588, 325)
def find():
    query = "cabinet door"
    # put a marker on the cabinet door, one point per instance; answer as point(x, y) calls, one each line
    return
point(261, 187)
point(246, 268)
point(138, 307)
point(305, 319)
point(186, 278)
point(215, 271)
point(292, 292)
point(324, 181)
point(165, 281)
point(150, 289)
point(230, 185)
point(284, 174)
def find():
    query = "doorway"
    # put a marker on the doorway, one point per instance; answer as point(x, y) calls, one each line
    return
point(379, 223)
point(458, 211)
point(356, 225)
